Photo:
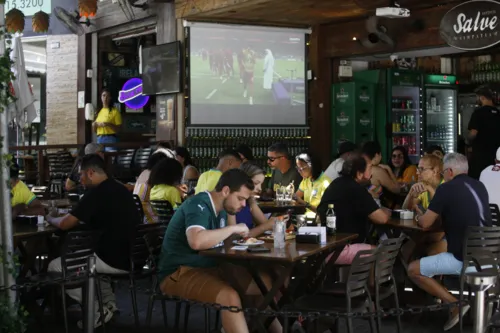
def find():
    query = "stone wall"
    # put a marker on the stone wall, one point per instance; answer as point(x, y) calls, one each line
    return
point(62, 89)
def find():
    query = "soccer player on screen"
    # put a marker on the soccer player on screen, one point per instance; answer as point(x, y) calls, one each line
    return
point(268, 70)
point(248, 70)
point(240, 56)
point(228, 62)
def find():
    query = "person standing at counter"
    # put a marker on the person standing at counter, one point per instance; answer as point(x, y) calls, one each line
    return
point(484, 126)
point(108, 121)
point(284, 172)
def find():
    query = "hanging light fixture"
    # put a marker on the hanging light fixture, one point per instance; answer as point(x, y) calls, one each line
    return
point(40, 22)
point(14, 21)
point(87, 8)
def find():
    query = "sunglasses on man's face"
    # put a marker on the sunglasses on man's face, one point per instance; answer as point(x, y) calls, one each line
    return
point(272, 159)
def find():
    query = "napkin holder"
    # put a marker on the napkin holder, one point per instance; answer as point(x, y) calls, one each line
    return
point(310, 238)
point(402, 214)
point(27, 220)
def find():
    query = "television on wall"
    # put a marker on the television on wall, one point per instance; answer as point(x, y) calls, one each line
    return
point(246, 75)
point(161, 69)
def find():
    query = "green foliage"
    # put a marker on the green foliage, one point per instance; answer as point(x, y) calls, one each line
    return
point(12, 314)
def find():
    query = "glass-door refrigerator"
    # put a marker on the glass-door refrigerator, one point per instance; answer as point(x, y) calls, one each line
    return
point(440, 121)
point(405, 112)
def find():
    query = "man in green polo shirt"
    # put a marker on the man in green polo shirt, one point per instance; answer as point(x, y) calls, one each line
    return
point(199, 224)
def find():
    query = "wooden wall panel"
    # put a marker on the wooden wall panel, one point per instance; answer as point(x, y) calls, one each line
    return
point(110, 14)
point(339, 36)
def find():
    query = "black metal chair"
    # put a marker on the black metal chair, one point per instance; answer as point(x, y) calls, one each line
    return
point(141, 157)
point(142, 264)
point(351, 296)
point(122, 168)
point(495, 214)
point(481, 243)
point(138, 205)
point(385, 283)
point(163, 210)
point(77, 247)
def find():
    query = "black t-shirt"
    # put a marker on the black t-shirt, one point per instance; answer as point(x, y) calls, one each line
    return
point(352, 205)
point(486, 120)
point(461, 202)
point(110, 208)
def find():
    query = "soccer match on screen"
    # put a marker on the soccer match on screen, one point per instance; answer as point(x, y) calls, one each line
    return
point(239, 66)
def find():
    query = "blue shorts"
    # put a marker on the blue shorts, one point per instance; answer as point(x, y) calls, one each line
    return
point(107, 139)
point(440, 264)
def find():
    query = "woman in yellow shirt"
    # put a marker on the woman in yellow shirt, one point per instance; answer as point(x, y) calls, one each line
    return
point(164, 180)
point(405, 172)
point(314, 182)
point(108, 121)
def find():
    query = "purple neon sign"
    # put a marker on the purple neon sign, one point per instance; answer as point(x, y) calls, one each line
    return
point(131, 94)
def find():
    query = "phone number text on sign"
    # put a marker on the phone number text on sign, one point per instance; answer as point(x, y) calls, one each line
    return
point(29, 7)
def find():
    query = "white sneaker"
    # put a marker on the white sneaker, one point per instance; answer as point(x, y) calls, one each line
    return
point(245, 94)
point(454, 320)
point(97, 320)
point(111, 306)
point(251, 100)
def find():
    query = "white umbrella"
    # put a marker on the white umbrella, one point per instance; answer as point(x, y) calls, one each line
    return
point(24, 109)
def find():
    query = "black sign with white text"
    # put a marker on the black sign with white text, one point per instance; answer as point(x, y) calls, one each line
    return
point(472, 25)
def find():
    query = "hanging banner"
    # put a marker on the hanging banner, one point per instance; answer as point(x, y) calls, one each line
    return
point(472, 25)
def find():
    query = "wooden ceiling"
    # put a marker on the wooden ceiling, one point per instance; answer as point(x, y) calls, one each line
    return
point(298, 13)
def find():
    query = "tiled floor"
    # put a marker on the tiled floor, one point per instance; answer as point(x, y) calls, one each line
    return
point(124, 322)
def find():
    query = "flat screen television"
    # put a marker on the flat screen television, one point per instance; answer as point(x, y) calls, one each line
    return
point(161, 69)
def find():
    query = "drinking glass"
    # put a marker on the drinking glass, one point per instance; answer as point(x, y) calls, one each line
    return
point(288, 195)
point(279, 195)
point(279, 229)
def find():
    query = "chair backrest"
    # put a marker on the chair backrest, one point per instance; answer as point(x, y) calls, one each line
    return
point(78, 246)
point(60, 164)
point(145, 237)
point(124, 159)
point(481, 242)
point(387, 253)
point(138, 205)
point(359, 272)
point(495, 214)
point(163, 209)
point(141, 158)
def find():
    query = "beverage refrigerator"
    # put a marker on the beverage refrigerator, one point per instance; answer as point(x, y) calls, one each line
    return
point(440, 112)
point(398, 109)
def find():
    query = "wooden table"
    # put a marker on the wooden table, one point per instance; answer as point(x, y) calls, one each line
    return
point(21, 231)
point(59, 203)
point(274, 207)
point(410, 225)
point(310, 257)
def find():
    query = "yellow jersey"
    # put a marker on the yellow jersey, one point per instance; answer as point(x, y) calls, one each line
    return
point(313, 190)
point(425, 199)
point(107, 116)
point(167, 193)
point(208, 180)
point(21, 194)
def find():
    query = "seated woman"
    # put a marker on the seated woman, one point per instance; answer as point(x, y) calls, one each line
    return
point(420, 195)
point(314, 182)
point(382, 176)
point(405, 172)
point(251, 214)
point(435, 150)
point(141, 187)
point(190, 174)
point(164, 181)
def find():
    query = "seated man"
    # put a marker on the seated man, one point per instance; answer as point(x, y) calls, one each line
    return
point(199, 224)
point(107, 207)
point(490, 177)
point(353, 205)
point(228, 159)
point(460, 202)
point(23, 201)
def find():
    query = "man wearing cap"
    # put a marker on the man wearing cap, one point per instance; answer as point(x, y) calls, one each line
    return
point(490, 177)
point(73, 180)
point(484, 126)
point(346, 148)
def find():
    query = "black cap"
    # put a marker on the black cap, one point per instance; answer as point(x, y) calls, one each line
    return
point(346, 147)
point(245, 151)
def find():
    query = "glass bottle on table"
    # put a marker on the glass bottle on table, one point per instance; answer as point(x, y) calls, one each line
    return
point(279, 233)
point(331, 221)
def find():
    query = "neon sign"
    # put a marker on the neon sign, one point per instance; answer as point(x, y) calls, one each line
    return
point(131, 94)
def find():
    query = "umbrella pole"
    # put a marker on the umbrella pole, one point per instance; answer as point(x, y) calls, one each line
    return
point(6, 240)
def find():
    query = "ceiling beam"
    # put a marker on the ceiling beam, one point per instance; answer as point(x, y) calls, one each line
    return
point(193, 8)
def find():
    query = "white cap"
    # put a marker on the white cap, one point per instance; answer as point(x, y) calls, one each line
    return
point(498, 154)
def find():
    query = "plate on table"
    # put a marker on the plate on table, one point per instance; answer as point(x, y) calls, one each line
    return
point(248, 242)
point(270, 237)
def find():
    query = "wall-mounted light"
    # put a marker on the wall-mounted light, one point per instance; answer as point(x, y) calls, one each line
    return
point(354, 38)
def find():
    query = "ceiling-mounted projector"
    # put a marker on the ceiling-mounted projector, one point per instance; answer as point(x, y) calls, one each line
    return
point(393, 11)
